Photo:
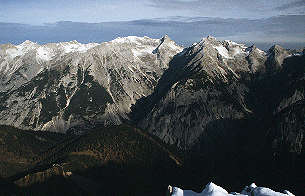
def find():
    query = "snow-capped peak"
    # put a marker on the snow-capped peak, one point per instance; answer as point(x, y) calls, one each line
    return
point(212, 188)
point(74, 42)
point(211, 37)
point(27, 42)
point(132, 40)
point(141, 46)
point(74, 46)
point(27, 46)
point(226, 49)
point(167, 43)
point(48, 51)
point(21, 49)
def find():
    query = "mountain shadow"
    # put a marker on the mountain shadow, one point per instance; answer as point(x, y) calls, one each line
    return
point(263, 142)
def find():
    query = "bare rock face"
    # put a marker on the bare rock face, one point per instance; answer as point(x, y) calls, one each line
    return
point(208, 91)
point(180, 95)
point(60, 85)
point(225, 105)
point(276, 56)
point(213, 87)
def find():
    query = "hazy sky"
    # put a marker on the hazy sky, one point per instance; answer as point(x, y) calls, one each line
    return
point(50, 11)
point(260, 22)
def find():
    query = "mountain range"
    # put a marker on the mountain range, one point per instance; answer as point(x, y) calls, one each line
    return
point(216, 110)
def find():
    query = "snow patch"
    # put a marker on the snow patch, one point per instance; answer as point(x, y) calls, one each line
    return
point(132, 40)
point(233, 50)
point(253, 190)
point(74, 46)
point(232, 43)
point(222, 51)
point(212, 189)
point(44, 54)
point(261, 52)
point(143, 51)
point(288, 193)
point(26, 46)
point(262, 191)
point(238, 50)
point(13, 52)
point(21, 49)
point(174, 47)
point(253, 185)
point(177, 192)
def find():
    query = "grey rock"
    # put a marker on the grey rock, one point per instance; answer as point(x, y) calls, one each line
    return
point(57, 86)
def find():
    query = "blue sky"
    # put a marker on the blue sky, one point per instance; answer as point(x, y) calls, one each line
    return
point(38, 12)
point(260, 22)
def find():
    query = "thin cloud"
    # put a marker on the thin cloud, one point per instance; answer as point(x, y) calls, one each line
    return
point(184, 30)
point(230, 8)
point(290, 5)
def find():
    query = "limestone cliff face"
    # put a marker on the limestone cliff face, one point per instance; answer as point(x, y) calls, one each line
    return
point(213, 87)
point(58, 86)
point(183, 96)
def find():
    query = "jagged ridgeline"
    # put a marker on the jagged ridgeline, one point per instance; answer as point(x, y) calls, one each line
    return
point(235, 112)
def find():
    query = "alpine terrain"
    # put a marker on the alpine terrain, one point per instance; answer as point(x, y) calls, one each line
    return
point(141, 114)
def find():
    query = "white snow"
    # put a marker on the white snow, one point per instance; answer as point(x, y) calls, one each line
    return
point(142, 51)
point(44, 54)
point(288, 193)
point(253, 190)
point(212, 189)
point(133, 39)
point(21, 49)
point(74, 46)
point(234, 49)
point(177, 192)
point(262, 191)
point(47, 52)
point(141, 47)
point(174, 47)
point(253, 185)
point(13, 52)
point(239, 50)
point(222, 51)
point(232, 43)
point(26, 46)
point(261, 52)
